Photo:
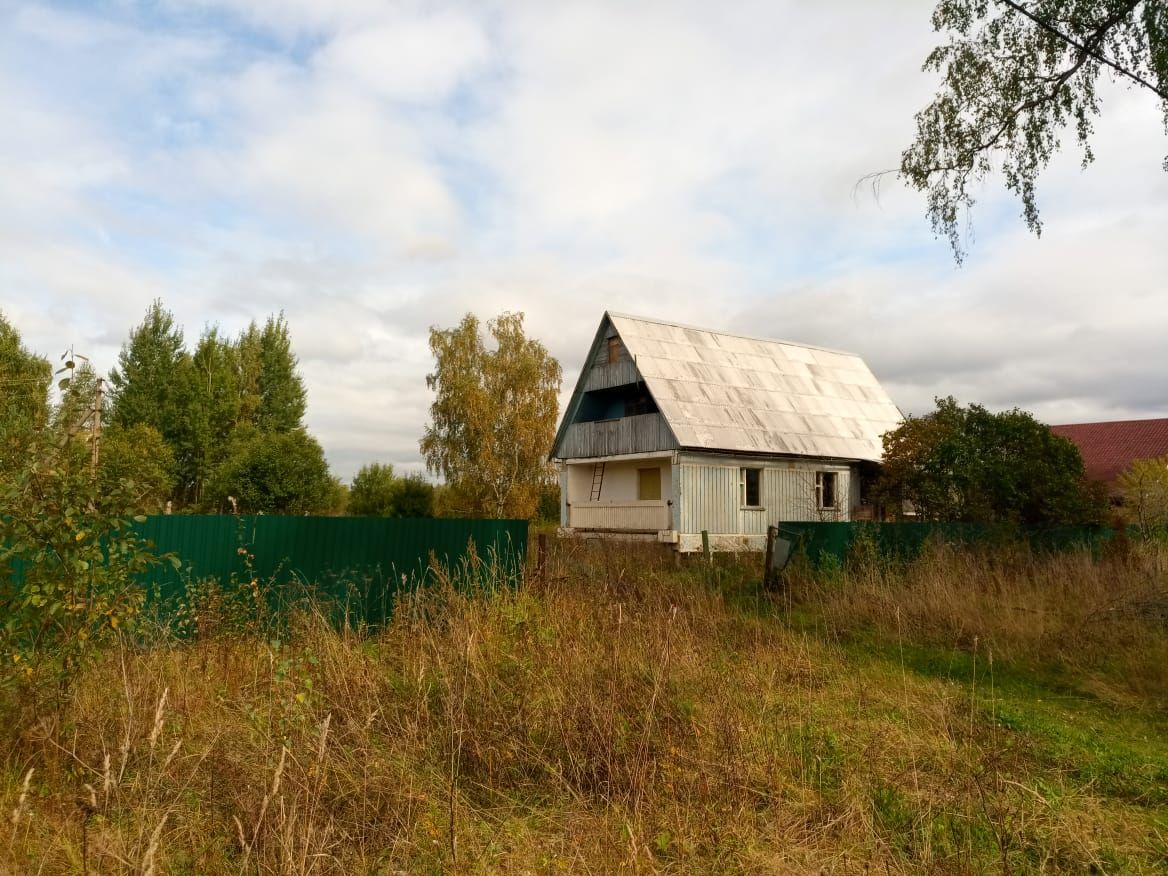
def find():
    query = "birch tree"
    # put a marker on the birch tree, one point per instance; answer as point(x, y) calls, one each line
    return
point(493, 418)
point(1017, 77)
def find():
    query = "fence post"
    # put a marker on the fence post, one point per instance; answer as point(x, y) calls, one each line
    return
point(541, 556)
point(768, 569)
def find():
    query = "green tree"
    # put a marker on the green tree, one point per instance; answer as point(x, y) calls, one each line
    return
point(209, 403)
point(273, 473)
point(69, 560)
point(494, 416)
point(272, 392)
point(337, 503)
point(967, 464)
point(413, 496)
point(148, 382)
point(377, 492)
point(1016, 76)
point(24, 396)
point(72, 417)
point(137, 461)
point(213, 409)
point(372, 492)
point(548, 510)
point(1145, 491)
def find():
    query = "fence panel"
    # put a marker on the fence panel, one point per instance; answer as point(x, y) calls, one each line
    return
point(361, 561)
point(830, 542)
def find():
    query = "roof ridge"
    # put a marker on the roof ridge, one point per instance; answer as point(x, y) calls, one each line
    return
point(1111, 422)
point(698, 328)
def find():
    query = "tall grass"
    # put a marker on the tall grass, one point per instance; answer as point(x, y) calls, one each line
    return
point(1067, 612)
point(614, 714)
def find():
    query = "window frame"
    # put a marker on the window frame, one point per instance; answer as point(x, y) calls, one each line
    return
point(744, 473)
point(821, 478)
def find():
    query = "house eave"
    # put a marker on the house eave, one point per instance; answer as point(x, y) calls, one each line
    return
point(768, 454)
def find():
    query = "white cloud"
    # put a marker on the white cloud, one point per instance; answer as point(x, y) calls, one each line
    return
point(420, 59)
point(377, 168)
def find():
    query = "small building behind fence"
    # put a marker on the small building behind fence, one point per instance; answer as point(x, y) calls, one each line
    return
point(674, 430)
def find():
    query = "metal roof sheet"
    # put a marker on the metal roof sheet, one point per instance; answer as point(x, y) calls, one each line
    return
point(721, 391)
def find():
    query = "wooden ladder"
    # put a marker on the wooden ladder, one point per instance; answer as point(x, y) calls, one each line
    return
point(597, 481)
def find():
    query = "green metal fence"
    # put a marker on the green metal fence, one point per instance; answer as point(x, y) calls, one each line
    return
point(833, 542)
point(358, 563)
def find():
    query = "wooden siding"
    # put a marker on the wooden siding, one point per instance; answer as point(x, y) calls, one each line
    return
point(625, 516)
point(601, 357)
point(604, 376)
point(708, 495)
point(642, 433)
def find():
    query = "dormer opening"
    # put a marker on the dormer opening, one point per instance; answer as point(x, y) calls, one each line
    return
point(615, 402)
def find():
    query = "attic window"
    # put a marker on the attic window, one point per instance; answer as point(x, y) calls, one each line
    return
point(748, 487)
point(613, 349)
point(825, 490)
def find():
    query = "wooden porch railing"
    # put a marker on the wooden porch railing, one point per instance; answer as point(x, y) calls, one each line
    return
point(626, 516)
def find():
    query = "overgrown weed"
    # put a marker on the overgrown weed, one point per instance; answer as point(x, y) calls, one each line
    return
point(619, 712)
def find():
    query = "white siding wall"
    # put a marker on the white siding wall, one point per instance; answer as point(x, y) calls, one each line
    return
point(620, 480)
point(710, 497)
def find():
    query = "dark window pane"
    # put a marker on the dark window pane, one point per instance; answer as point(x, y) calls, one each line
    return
point(752, 480)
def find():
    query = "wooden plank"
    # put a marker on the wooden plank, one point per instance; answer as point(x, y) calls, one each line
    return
point(604, 376)
point(637, 434)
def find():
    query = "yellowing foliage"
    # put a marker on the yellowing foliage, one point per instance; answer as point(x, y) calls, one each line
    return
point(493, 418)
point(1145, 489)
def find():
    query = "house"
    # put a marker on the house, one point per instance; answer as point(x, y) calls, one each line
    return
point(1109, 448)
point(674, 430)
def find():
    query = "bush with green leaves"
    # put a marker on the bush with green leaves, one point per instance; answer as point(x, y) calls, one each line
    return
point(70, 563)
point(377, 492)
point(971, 465)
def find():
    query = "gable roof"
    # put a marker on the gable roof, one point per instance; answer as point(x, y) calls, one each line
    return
point(1109, 448)
point(734, 393)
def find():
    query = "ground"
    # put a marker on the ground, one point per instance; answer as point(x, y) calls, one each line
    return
point(618, 713)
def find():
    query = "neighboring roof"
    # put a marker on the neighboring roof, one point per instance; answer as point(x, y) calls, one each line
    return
point(1109, 448)
point(727, 392)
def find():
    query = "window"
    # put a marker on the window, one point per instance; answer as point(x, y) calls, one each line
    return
point(825, 490)
point(648, 484)
point(748, 491)
point(613, 350)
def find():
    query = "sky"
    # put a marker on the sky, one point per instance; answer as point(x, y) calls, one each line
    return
point(376, 168)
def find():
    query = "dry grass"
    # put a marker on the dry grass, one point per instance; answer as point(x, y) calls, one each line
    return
point(619, 716)
point(1065, 612)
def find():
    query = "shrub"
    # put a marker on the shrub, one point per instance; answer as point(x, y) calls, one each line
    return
point(68, 565)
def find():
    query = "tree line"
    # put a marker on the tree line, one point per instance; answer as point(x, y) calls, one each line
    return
point(219, 427)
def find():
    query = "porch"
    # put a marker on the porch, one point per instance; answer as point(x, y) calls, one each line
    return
point(632, 495)
point(648, 516)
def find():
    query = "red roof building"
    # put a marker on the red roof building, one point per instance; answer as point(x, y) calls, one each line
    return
point(1109, 448)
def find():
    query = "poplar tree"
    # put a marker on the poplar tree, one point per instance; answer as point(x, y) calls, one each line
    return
point(272, 392)
point(149, 383)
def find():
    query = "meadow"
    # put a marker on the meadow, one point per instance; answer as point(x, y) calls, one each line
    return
point(620, 712)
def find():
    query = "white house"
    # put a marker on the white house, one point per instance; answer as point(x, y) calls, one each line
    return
point(673, 430)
